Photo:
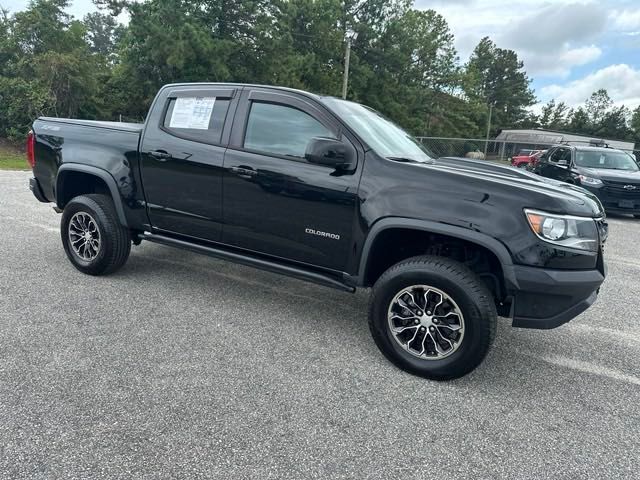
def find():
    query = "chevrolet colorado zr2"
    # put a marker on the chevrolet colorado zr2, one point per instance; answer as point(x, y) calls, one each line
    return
point(331, 192)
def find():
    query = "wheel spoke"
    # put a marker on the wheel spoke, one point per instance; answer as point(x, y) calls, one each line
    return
point(402, 329)
point(426, 300)
point(408, 344)
point(437, 345)
point(424, 337)
point(453, 328)
point(444, 338)
point(397, 316)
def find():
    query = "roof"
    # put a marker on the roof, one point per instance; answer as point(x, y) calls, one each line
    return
point(242, 85)
point(593, 148)
point(536, 135)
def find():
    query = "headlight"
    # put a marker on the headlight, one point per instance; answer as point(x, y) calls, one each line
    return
point(590, 180)
point(564, 230)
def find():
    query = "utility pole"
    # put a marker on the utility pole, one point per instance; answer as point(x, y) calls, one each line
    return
point(486, 143)
point(345, 77)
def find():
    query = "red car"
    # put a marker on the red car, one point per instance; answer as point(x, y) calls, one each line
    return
point(526, 158)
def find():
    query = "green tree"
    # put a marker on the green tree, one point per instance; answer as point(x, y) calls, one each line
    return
point(410, 72)
point(403, 61)
point(554, 115)
point(599, 118)
point(48, 67)
point(635, 125)
point(579, 121)
point(615, 124)
point(495, 78)
point(597, 106)
point(103, 33)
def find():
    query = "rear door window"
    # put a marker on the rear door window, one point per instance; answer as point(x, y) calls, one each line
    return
point(196, 118)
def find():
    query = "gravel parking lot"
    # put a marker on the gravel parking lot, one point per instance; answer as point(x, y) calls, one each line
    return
point(183, 366)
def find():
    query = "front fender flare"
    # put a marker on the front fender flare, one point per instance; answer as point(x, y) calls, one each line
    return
point(490, 243)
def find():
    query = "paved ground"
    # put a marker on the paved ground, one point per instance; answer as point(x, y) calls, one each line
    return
point(183, 366)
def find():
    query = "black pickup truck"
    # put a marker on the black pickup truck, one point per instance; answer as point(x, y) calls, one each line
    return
point(331, 192)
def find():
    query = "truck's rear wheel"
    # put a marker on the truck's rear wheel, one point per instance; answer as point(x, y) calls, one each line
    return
point(92, 236)
point(432, 317)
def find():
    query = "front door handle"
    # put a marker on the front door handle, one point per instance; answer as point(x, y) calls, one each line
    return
point(160, 155)
point(243, 171)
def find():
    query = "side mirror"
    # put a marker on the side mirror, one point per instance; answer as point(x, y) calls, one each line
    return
point(331, 153)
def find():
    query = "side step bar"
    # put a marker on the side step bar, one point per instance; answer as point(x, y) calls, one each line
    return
point(260, 263)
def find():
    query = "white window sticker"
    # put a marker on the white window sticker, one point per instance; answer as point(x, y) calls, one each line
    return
point(192, 112)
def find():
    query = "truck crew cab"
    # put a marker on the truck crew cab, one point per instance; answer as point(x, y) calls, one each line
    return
point(331, 192)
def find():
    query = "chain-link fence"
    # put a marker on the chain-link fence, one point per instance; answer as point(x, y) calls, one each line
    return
point(495, 150)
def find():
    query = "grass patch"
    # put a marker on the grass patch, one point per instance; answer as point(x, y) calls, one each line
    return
point(13, 161)
point(11, 158)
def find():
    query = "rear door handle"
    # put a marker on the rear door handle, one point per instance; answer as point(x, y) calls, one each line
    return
point(160, 155)
point(243, 172)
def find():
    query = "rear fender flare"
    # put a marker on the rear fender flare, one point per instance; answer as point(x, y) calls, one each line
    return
point(97, 172)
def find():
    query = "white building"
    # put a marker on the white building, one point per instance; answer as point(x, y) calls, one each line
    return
point(537, 138)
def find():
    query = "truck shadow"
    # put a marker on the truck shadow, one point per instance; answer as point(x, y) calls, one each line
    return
point(339, 320)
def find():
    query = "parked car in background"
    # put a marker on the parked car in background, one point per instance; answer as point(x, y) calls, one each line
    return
point(524, 160)
point(612, 175)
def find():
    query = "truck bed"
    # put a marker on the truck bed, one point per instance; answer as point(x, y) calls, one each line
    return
point(122, 126)
point(110, 147)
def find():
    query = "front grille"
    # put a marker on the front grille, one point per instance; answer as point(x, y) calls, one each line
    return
point(616, 189)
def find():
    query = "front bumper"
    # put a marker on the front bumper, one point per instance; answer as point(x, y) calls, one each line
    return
point(549, 298)
point(34, 186)
point(613, 200)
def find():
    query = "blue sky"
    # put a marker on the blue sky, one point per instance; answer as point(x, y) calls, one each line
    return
point(570, 47)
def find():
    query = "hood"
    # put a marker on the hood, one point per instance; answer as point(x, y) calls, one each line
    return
point(611, 175)
point(552, 195)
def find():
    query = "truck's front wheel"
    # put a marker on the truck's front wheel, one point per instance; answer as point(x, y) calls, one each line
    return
point(92, 236)
point(432, 317)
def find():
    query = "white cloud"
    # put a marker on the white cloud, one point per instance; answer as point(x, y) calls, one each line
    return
point(558, 63)
point(627, 20)
point(621, 81)
point(552, 37)
point(556, 26)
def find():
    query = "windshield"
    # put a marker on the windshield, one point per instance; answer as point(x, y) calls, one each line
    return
point(382, 135)
point(601, 159)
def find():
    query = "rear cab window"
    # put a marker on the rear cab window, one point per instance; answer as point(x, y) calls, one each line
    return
point(198, 118)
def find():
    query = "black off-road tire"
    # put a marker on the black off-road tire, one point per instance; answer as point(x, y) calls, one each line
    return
point(115, 239)
point(464, 287)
